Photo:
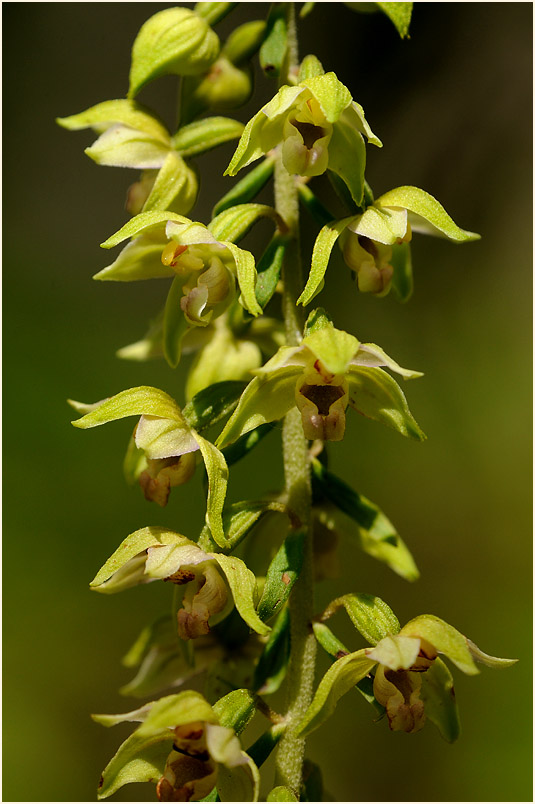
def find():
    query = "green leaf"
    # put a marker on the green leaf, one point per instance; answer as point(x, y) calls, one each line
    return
point(234, 222)
point(118, 112)
point(438, 696)
point(235, 710)
point(444, 638)
point(320, 258)
point(281, 793)
point(121, 146)
point(400, 14)
point(430, 216)
point(246, 270)
point(269, 269)
point(369, 614)
point(248, 187)
point(401, 262)
point(378, 537)
point(217, 472)
point(347, 158)
point(212, 404)
point(265, 399)
point(132, 402)
point(282, 574)
point(242, 584)
point(244, 41)
point(146, 222)
point(139, 759)
point(246, 443)
point(203, 135)
point(175, 187)
point(174, 41)
point(262, 748)
point(377, 396)
point(310, 67)
point(135, 544)
point(175, 324)
point(140, 259)
point(339, 679)
point(271, 668)
point(213, 12)
point(273, 51)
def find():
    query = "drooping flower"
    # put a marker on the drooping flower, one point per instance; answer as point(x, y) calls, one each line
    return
point(375, 244)
point(180, 744)
point(327, 372)
point(317, 125)
point(204, 271)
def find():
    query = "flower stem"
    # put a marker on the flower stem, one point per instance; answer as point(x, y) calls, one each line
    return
point(300, 677)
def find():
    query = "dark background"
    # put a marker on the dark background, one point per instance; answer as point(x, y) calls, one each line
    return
point(453, 108)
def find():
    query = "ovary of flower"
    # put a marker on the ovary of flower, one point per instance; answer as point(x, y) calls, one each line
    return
point(208, 284)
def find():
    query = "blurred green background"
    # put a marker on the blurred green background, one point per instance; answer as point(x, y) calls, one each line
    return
point(453, 108)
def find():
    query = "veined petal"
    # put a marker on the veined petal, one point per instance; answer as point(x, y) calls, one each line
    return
point(369, 354)
point(331, 94)
point(121, 146)
point(242, 584)
point(118, 112)
point(376, 395)
point(139, 259)
point(246, 272)
point(249, 147)
point(428, 215)
point(334, 347)
point(484, 658)
point(444, 638)
point(138, 759)
point(266, 399)
point(146, 222)
point(217, 472)
point(320, 257)
point(386, 226)
point(396, 652)
point(347, 157)
point(133, 402)
point(164, 438)
point(355, 115)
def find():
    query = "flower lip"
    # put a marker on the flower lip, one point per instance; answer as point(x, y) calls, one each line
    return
point(309, 132)
point(323, 396)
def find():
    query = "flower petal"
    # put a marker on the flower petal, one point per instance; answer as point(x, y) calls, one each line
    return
point(135, 401)
point(217, 471)
point(430, 215)
point(369, 354)
point(376, 395)
point(444, 638)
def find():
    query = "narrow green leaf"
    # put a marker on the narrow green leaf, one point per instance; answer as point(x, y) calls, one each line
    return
point(377, 396)
point(269, 269)
point(313, 205)
point(212, 404)
point(378, 536)
point(339, 679)
point(262, 748)
point(248, 187)
point(242, 584)
point(174, 41)
point(369, 614)
point(438, 696)
point(203, 135)
point(320, 258)
point(246, 443)
point(271, 668)
point(132, 402)
point(430, 215)
point(401, 262)
point(304, 11)
point(273, 51)
point(400, 14)
point(281, 575)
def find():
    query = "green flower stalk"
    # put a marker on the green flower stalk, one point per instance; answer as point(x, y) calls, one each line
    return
point(243, 622)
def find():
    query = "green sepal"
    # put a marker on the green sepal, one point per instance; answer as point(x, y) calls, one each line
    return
point(217, 472)
point(347, 158)
point(224, 356)
point(235, 452)
point(341, 676)
point(213, 12)
point(400, 14)
point(429, 216)
point(378, 537)
point(242, 584)
point(203, 135)
point(175, 187)
point(310, 67)
point(269, 268)
point(334, 347)
point(146, 222)
point(117, 112)
point(281, 793)
point(377, 396)
point(273, 51)
point(133, 402)
point(134, 462)
point(174, 41)
point(234, 222)
point(484, 658)
point(370, 615)
point(238, 520)
point(246, 271)
point(438, 696)
point(320, 258)
point(121, 146)
point(271, 668)
point(244, 41)
point(331, 94)
point(282, 574)
point(212, 404)
point(139, 759)
point(236, 710)
point(332, 645)
point(139, 259)
point(401, 262)
point(150, 346)
point(158, 659)
point(444, 638)
point(248, 187)
point(175, 324)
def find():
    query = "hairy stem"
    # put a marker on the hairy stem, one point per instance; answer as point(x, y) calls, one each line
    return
point(300, 678)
